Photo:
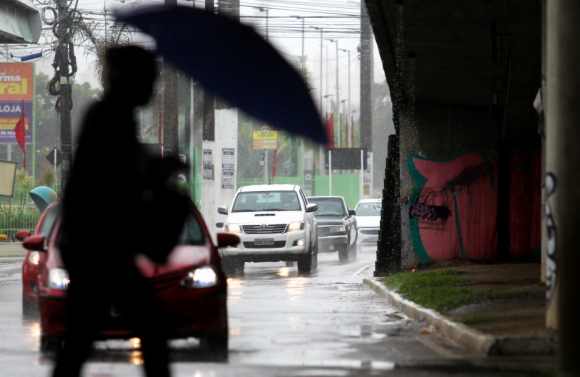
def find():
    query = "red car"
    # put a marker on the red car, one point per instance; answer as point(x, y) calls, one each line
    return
point(196, 303)
point(31, 261)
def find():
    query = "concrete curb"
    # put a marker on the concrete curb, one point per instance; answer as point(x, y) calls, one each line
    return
point(12, 249)
point(476, 341)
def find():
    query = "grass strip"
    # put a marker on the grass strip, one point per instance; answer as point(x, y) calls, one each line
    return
point(440, 290)
point(473, 319)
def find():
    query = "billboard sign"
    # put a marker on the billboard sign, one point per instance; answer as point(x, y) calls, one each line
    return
point(16, 86)
point(265, 139)
point(346, 158)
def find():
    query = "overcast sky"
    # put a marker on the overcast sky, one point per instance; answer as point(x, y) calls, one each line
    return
point(339, 19)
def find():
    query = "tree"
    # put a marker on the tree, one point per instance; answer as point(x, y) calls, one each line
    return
point(102, 37)
point(382, 106)
point(47, 122)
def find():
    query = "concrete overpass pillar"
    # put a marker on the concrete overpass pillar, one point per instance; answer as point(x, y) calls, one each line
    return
point(563, 177)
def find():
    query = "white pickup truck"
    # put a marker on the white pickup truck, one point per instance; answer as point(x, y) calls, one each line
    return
point(275, 223)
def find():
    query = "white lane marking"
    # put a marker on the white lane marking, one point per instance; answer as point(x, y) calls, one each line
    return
point(10, 266)
point(361, 270)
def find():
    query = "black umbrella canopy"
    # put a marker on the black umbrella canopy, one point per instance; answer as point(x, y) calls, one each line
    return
point(234, 62)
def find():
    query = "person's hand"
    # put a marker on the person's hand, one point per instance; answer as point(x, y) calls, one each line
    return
point(165, 167)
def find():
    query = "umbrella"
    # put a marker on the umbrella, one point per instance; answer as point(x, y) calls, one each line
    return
point(234, 62)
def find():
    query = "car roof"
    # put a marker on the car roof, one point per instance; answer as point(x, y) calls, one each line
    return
point(369, 200)
point(276, 187)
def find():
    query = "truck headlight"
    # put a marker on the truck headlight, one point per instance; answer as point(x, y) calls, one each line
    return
point(233, 228)
point(295, 226)
point(337, 229)
point(58, 279)
point(201, 277)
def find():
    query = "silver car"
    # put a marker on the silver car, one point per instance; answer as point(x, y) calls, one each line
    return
point(368, 217)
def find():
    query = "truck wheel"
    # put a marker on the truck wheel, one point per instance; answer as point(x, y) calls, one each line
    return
point(216, 345)
point(305, 262)
point(315, 256)
point(240, 266)
point(343, 253)
point(229, 266)
point(50, 344)
point(29, 308)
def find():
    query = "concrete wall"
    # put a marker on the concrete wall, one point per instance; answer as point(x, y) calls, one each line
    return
point(213, 193)
point(463, 76)
point(438, 133)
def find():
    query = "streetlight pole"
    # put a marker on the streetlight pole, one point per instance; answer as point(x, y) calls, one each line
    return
point(348, 78)
point(346, 123)
point(302, 58)
point(337, 97)
point(348, 113)
point(321, 43)
point(262, 9)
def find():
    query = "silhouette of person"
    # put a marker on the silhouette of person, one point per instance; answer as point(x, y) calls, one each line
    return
point(100, 206)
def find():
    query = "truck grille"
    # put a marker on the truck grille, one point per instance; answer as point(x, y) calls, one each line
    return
point(264, 229)
point(252, 245)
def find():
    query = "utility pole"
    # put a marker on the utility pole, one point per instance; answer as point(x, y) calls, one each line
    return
point(337, 103)
point(347, 114)
point(208, 99)
point(170, 133)
point(366, 71)
point(344, 50)
point(562, 208)
point(64, 101)
point(262, 9)
point(294, 156)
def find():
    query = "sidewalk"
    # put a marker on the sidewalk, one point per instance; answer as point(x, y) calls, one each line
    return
point(518, 327)
point(12, 249)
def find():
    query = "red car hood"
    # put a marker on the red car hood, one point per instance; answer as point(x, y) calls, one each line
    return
point(182, 257)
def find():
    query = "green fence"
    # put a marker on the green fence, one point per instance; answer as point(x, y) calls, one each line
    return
point(345, 185)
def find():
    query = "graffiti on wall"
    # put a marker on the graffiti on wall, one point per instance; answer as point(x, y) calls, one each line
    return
point(428, 212)
point(465, 185)
point(551, 233)
point(453, 209)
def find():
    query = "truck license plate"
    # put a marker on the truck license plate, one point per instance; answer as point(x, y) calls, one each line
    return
point(264, 241)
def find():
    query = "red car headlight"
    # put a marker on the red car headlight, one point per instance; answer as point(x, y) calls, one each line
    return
point(34, 257)
point(201, 277)
point(58, 279)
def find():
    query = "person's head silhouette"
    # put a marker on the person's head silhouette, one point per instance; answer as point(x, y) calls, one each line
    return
point(129, 73)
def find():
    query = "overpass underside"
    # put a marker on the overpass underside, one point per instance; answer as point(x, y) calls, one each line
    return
point(463, 77)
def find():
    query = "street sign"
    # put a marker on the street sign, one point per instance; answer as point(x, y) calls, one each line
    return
point(50, 156)
point(265, 139)
point(346, 158)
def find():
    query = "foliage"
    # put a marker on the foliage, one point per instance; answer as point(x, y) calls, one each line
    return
point(47, 120)
point(405, 282)
point(288, 144)
point(476, 318)
point(47, 177)
point(15, 213)
point(382, 106)
point(440, 290)
point(118, 34)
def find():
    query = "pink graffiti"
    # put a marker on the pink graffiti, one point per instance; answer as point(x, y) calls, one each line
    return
point(473, 203)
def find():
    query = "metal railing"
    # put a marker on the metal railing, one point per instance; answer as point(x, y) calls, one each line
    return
point(12, 220)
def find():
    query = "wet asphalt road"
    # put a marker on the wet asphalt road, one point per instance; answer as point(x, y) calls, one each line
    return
point(326, 323)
